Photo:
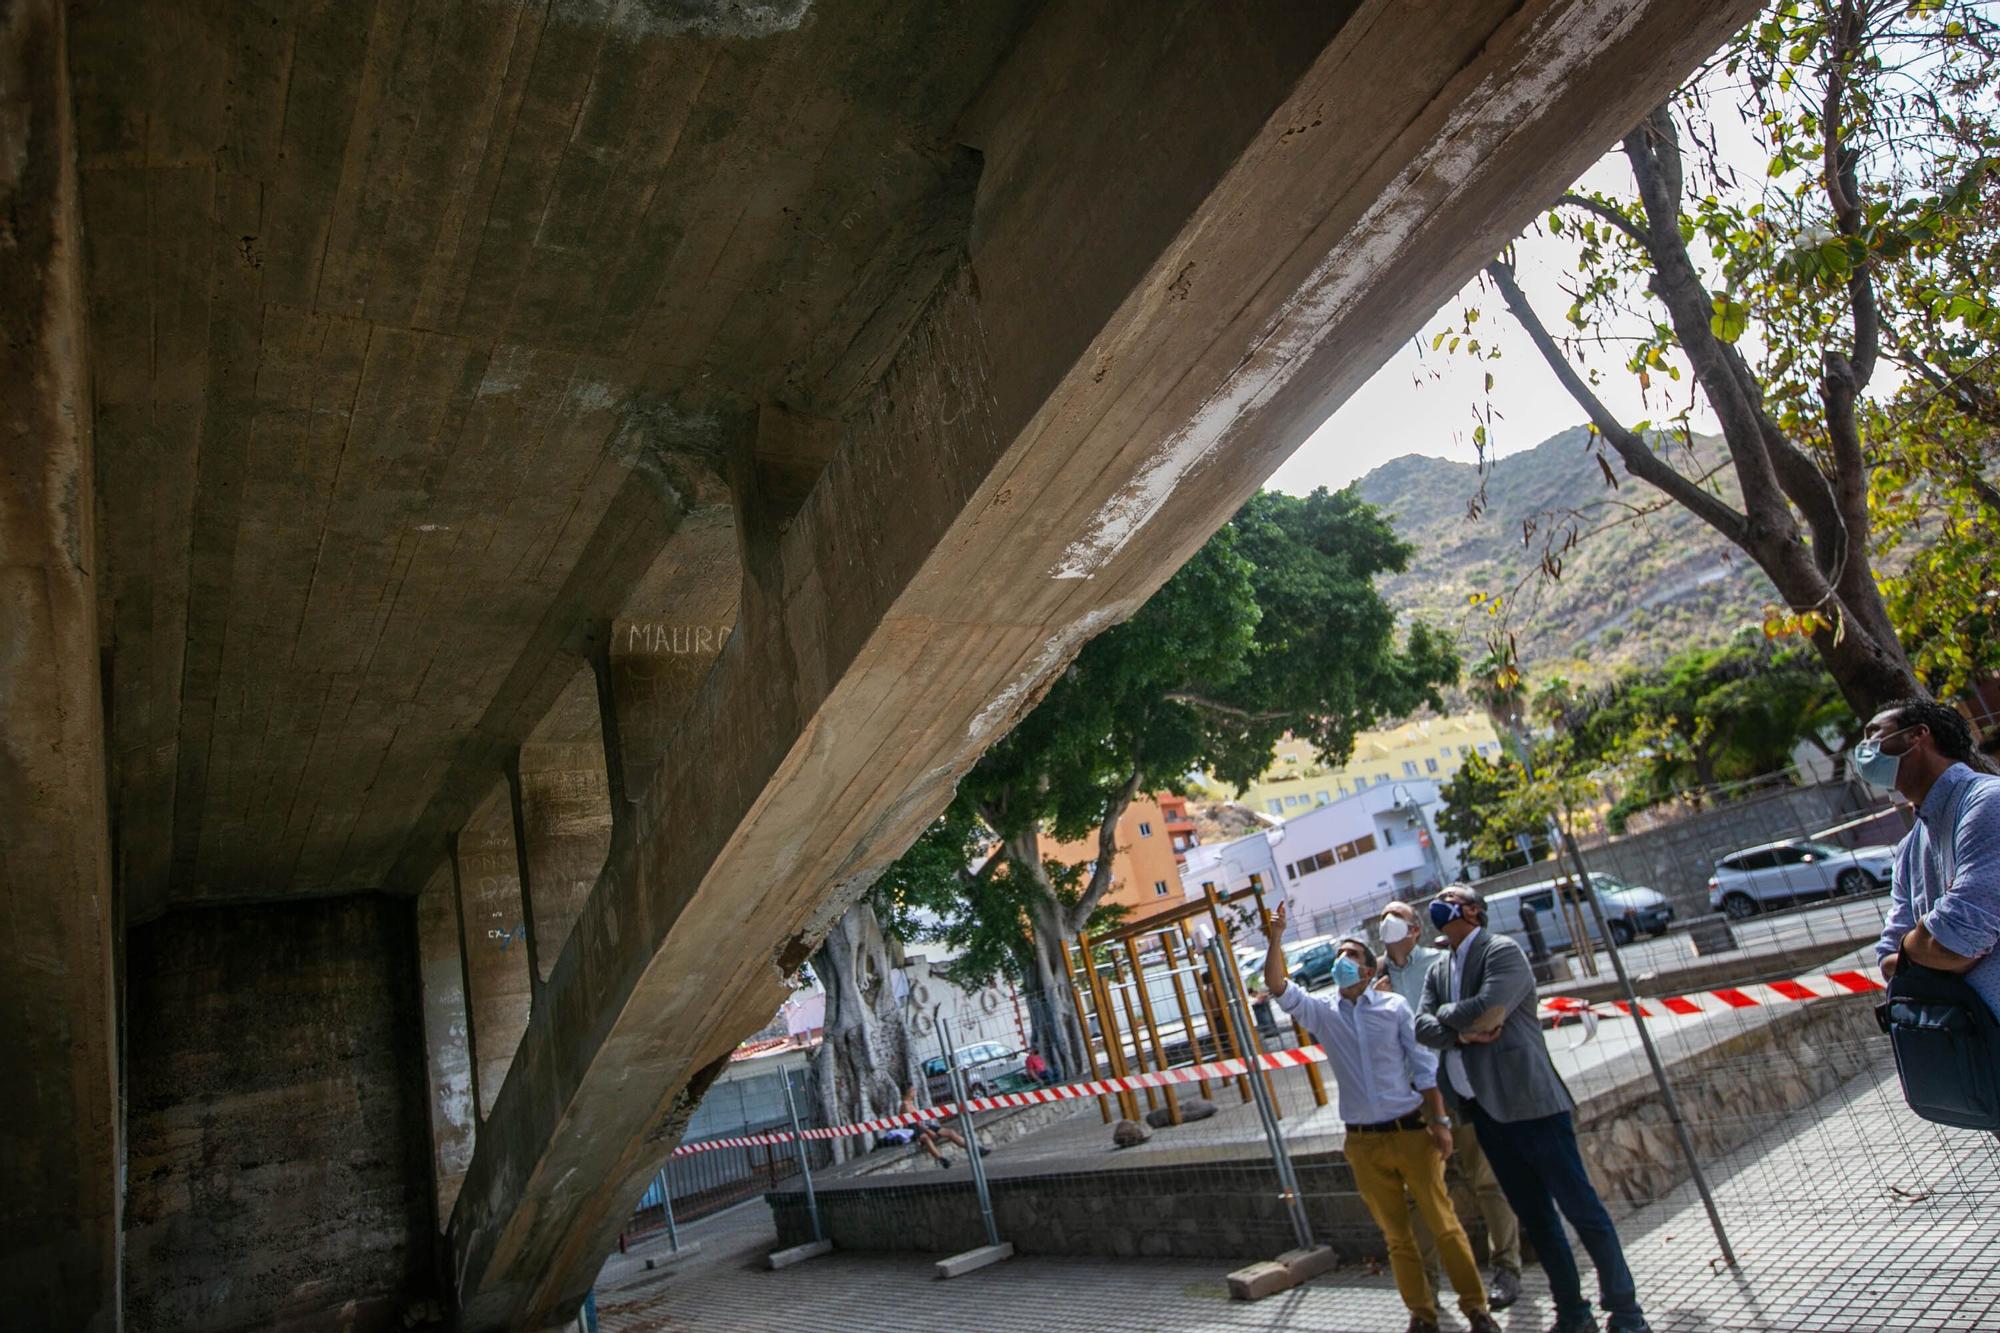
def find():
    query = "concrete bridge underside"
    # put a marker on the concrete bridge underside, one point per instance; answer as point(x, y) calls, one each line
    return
point(512, 514)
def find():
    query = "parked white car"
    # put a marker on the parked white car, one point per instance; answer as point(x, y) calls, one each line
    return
point(1795, 871)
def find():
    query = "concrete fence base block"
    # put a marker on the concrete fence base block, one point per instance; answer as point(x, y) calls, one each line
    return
point(798, 1254)
point(1260, 1280)
point(1305, 1265)
point(974, 1260)
point(692, 1247)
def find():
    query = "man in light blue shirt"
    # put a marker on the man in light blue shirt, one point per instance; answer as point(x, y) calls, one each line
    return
point(1944, 901)
point(1406, 965)
point(1397, 1132)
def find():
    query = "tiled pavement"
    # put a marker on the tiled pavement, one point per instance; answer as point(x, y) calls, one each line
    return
point(1851, 1217)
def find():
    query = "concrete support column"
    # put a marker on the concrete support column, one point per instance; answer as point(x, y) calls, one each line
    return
point(493, 920)
point(447, 1041)
point(61, 1147)
point(562, 833)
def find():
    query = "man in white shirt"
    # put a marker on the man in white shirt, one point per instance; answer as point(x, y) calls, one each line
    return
point(1406, 964)
point(1397, 1132)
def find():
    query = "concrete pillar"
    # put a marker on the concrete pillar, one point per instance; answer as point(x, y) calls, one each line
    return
point(60, 1138)
point(562, 831)
point(447, 1041)
point(1077, 409)
point(493, 921)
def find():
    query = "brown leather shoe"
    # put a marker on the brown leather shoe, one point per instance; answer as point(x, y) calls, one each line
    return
point(1418, 1324)
point(1483, 1322)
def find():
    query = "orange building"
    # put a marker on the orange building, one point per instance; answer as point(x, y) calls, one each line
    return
point(1145, 872)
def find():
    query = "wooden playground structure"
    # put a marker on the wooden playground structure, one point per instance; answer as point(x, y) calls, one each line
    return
point(1112, 974)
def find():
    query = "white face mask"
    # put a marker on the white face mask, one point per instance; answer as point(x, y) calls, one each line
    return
point(1394, 930)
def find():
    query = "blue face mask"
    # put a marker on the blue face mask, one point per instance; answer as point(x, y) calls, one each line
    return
point(1346, 972)
point(1443, 913)
point(1876, 768)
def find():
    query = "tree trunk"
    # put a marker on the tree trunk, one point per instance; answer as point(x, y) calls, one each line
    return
point(1056, 1032)
point(866, 1058)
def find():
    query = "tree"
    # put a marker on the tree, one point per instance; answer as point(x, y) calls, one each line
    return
point(1273, 626)
point(865, 1058)
point(1475, 814)
point(1784, 294)
point(1710, 717)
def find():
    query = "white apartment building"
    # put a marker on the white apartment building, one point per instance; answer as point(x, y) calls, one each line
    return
point(1338, 860)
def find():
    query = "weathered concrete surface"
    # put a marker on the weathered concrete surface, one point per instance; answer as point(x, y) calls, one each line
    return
point(1099, 389)
point(59, 1137)
point(277, 1119)
point(448, 1064)
point(493, 923)
point(562, 829)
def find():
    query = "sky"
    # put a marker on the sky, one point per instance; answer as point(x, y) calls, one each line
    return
point(1424, 402)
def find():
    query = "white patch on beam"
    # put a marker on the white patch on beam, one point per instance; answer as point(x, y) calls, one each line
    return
point(1485, 118)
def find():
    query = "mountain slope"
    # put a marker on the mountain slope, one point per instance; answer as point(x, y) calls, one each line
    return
point(1634, 589)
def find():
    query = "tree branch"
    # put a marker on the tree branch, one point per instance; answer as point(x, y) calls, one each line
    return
point(1107, 852)
point(1639, 460)
point(1610, 215)
point(1202, 701)
point(1653, 149)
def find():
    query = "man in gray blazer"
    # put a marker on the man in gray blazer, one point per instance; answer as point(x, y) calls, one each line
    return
point(1479, 1010)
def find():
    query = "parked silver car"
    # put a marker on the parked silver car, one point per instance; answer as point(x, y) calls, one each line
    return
point(990, 1066)
point(1794, 871)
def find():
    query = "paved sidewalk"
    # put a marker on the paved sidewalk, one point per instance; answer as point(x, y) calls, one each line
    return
point(1855, 1216)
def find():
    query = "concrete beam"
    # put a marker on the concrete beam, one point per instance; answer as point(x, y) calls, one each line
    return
point(447, 1039)
point(493, 923)
point(61, 1231)
point(1096, 392)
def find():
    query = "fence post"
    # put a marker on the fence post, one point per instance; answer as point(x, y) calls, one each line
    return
point(667, 1206)
point(969, 1132)
point(1646, 1039)
point(805, 1167)
point(1288, 1181)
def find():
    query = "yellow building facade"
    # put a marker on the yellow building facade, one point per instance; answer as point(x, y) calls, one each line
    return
point(1428, 748)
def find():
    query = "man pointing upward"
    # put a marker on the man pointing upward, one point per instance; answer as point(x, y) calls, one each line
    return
point(1397, 1132)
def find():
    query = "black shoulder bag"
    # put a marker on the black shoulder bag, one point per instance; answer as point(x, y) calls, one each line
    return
point(1946, 1040)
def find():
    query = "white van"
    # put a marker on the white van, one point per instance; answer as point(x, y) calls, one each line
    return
point(1629, 909)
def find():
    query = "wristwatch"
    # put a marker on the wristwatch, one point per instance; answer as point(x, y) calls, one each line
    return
point(1442, 1121)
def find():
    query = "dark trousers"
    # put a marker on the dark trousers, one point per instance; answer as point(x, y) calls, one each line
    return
point(1540, 1171)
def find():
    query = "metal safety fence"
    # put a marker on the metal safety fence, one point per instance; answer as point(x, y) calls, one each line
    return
point(1736, 1103)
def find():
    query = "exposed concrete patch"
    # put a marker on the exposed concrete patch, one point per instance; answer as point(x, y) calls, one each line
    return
point(741, 19)
point(1014, 700)
point(1503, 100)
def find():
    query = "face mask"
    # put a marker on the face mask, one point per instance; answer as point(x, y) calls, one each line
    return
point(1876, 768)
point(1394, 930)
point(1443, 913)
point(1346, 972)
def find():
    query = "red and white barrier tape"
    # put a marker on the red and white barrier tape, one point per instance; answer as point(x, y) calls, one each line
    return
point(1821, 986)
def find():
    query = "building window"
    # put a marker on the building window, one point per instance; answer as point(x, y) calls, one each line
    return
point(1295, 800)
point(1486, 748)
point(1291, 872)
point(1159, 888)
point(1324, 798)
point(1146, 829)
point(1409, 768)
point(1445, 750)
point(1464, 751)
point(1364, 844)
point(1381, 778)
point(1388, 838)
point(1430, 766)
point(1277, 806)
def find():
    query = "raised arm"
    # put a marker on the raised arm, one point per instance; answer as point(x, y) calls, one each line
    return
point(1276, 975)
